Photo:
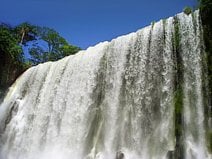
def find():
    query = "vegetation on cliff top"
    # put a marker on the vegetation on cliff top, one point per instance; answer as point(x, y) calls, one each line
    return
point(25, 45)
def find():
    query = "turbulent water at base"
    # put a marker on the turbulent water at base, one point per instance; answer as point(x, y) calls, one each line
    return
point(115, 100)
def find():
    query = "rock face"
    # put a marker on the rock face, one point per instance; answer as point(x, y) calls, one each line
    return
point(8, 73)
point(143, 94)
point(119, 155)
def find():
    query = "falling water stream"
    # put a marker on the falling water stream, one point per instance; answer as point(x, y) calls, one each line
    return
point(115, 100)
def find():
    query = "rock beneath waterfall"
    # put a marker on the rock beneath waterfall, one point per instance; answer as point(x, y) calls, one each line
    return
point(119, 155)
point(170, 155)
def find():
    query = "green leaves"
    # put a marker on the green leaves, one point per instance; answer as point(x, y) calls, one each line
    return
point(42, 43)
point(9, 44)
point(67, 50)
point(187, 10)
point(25, 32)
point(50, 47)
point(11, 56)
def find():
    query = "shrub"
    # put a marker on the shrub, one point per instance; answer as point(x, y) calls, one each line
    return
point(187, 10)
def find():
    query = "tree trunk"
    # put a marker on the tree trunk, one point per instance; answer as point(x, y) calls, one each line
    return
point(22, 37)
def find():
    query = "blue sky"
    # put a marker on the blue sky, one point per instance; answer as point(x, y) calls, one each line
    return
point(87, 22)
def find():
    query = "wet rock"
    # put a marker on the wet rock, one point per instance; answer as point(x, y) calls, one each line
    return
point(170, 155)
point(119, 155)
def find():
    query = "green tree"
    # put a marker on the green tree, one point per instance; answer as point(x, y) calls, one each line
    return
point(25, 32)
point(67, 50)
point(11, 57)
point(187, 10)
point(44, 44)
point(50, 47)
point(8, 44)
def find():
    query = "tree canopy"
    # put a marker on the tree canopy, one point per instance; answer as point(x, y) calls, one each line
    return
point(43, 43)
point(24, 45)
point(50, 46)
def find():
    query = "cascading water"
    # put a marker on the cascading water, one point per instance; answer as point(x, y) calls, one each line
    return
point(114, 100)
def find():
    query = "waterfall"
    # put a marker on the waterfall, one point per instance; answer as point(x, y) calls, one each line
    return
point(116, 100)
